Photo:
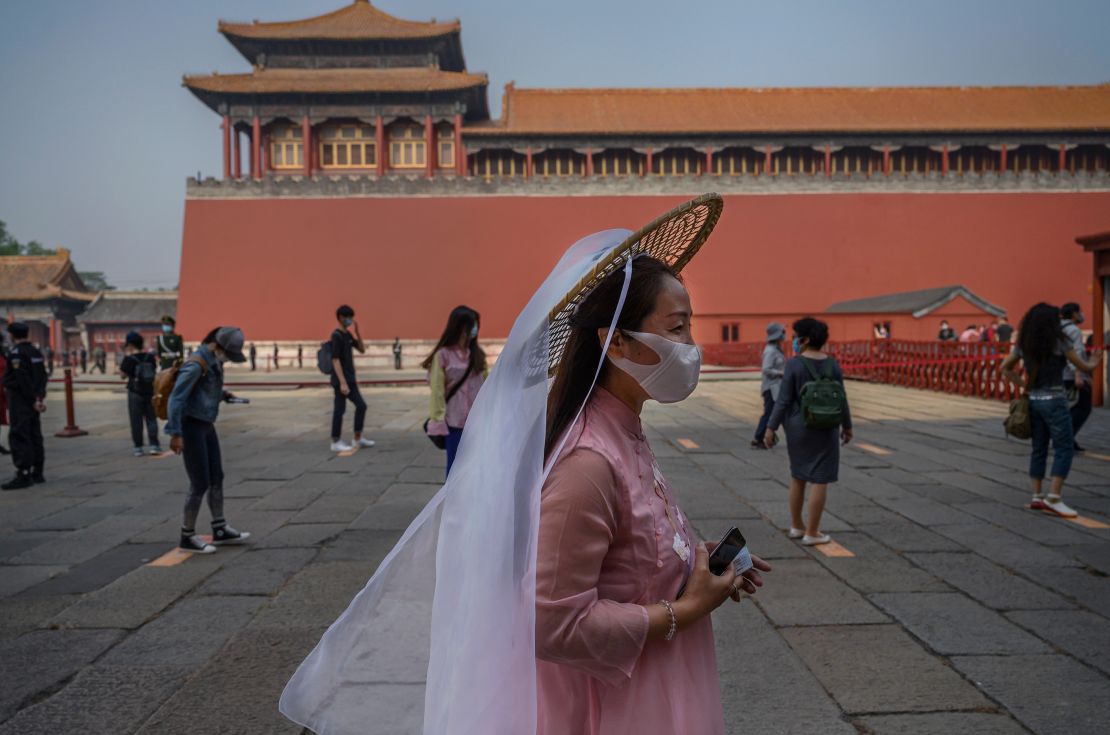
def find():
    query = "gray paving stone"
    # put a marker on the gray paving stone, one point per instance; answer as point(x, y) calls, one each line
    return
point(950, 623)
point(1005, 547)
point(1019, 683)
point(332, 509)
point(79, 516)
point(41, 659)
point(23, 613)
point(186, 635)
point(927, 512)
point(1095, 555)
point(217, 696)
point(301, 535)
point(99, 701)
point(809, 595)
point(1039, 527)
point(878, 668)
point(1082, 634)
point(360, 545)
point(316, 596)
point(1090, 590)
point(14, 543)
point(388, 516)
point(942, 723)
point(257, 572)
point(99, 571)
point(990, 584)
point(784, 697)
point(91, 541)
point(15, 579)
point(874, 568)
point(292, 496)
point(902, 535)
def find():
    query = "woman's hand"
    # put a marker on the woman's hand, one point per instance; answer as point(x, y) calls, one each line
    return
point(846, 434)
point(705, 591)
point(750, 580)
point(769, 438)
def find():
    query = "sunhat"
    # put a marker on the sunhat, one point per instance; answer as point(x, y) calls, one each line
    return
point(775, 332)
point(673, 238)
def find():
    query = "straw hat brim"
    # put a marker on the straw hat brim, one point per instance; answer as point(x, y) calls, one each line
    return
point(673, 238)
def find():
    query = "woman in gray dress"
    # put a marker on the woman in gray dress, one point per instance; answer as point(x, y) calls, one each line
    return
point(814, 453)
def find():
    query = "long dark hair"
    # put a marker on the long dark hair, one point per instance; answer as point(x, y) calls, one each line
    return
point(583, 349)
point(462, 319)
point(1039, 334)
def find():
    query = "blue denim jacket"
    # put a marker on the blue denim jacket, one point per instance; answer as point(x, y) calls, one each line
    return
point(193, 395)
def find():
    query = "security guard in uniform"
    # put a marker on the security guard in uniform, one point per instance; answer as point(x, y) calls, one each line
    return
point(171, 350)
point(25, 385)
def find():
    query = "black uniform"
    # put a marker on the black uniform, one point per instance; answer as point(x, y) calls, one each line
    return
point(25, 384)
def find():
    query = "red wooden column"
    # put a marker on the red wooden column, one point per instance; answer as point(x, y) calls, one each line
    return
point(886, 160)
point(460, 155)
point(529, 169)
point(1002, 159)
point(648, 162)
point(236, 157)
point(430, 147)
point(1063, 162)
point(379, 145)
point(589, 162)
point(256, 148)
point(828, 161)
point(708, 161)
point(767, 160)
point(944, 160)
point(226, 125)
point(306, 145)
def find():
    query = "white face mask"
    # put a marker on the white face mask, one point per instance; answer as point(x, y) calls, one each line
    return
point(674, 377)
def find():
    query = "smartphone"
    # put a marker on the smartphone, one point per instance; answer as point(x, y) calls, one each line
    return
point(732, 549)
point(238, 400)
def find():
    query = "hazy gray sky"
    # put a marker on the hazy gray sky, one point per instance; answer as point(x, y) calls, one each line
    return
point(97, 135)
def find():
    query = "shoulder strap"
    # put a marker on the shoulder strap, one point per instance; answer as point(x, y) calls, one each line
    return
point(200, 361)
point(812, 370)
point(827, 368)
point(455, 388)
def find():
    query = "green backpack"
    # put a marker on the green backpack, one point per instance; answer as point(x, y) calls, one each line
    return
point(822, 399)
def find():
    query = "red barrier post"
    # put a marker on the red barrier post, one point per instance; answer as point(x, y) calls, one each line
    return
point(71, 429)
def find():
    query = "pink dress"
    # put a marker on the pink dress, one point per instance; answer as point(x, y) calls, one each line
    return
point(607, 548)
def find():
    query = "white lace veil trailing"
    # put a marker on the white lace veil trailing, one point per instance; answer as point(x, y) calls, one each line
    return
point(441, 640)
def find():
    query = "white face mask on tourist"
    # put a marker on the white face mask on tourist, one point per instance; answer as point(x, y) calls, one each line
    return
point(674, 377)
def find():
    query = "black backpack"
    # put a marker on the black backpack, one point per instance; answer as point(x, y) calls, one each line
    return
point(822, 399)
point(324, 357)
point(144, 373)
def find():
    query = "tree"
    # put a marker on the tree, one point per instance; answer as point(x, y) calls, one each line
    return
point(10, 246)
point(96, 280)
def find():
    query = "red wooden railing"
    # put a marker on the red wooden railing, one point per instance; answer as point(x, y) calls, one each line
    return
point(966, 369)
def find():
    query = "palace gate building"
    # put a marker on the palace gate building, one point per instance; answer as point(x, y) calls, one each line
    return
point(361, 165)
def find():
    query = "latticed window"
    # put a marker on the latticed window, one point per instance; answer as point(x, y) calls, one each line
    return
point(286, 149)
point(445, 147)
point(499, 163)
point(618, 163)
point(559, 163)
point(347, 146)
point(680, 162)
point(406, 146)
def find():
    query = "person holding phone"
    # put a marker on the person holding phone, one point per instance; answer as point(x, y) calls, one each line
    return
point(623, 585)
point(344, 341)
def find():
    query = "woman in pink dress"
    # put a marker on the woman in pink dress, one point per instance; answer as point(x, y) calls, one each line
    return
point(456, 369)
point(623, 590)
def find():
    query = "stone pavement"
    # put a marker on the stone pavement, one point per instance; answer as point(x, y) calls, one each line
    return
point(949, 609)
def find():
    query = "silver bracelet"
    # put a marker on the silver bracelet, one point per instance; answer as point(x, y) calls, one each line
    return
point(674, 620)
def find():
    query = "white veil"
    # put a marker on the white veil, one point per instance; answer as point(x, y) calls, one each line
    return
point(442, 638)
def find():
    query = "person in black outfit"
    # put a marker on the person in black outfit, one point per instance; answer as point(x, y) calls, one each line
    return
point(83, 354)
point(946, 334)
point(397, 353)
point(254, 356)
point(49, 360)
point(25, 385)
point(344, 340)
point(300, 356)
point(1004, 332)
point(140, 368)
point(276, 366)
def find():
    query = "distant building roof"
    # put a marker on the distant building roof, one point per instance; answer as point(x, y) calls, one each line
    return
point(916, 303)
point(130, 307)
point(357, 21)
point(802, 110)
point(41, 277)
point(338, 81)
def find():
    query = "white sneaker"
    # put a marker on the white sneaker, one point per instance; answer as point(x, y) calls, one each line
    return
point(341, 446)
point(816, 540)
point(364, 442)
point(1053, 504)
point(796, 533)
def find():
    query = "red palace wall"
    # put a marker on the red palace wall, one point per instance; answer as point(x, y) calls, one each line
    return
point(279, 267)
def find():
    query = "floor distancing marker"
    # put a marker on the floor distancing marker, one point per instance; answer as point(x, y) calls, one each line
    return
point(873, 449)
point(1095, 455)
point(832, 548)
point(162, 455)
point(173, 557)
point(688, 444)
point(347, 453)
point(1089, 522)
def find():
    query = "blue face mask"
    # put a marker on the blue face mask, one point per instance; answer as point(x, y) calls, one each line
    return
point(797, 347)
point(167, 328)
point(347, 321)
point(474, 332)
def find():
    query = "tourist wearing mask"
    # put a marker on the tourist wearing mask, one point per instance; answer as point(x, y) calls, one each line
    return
point(946, 334)
point(344, 382)
point(193, 407)
point(812, 441)
point(1076, 382)
point(457, 367)
point(139, 368)
point(171, 348)
point(771, 372)
point(25, 388)
point(1044, 351)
